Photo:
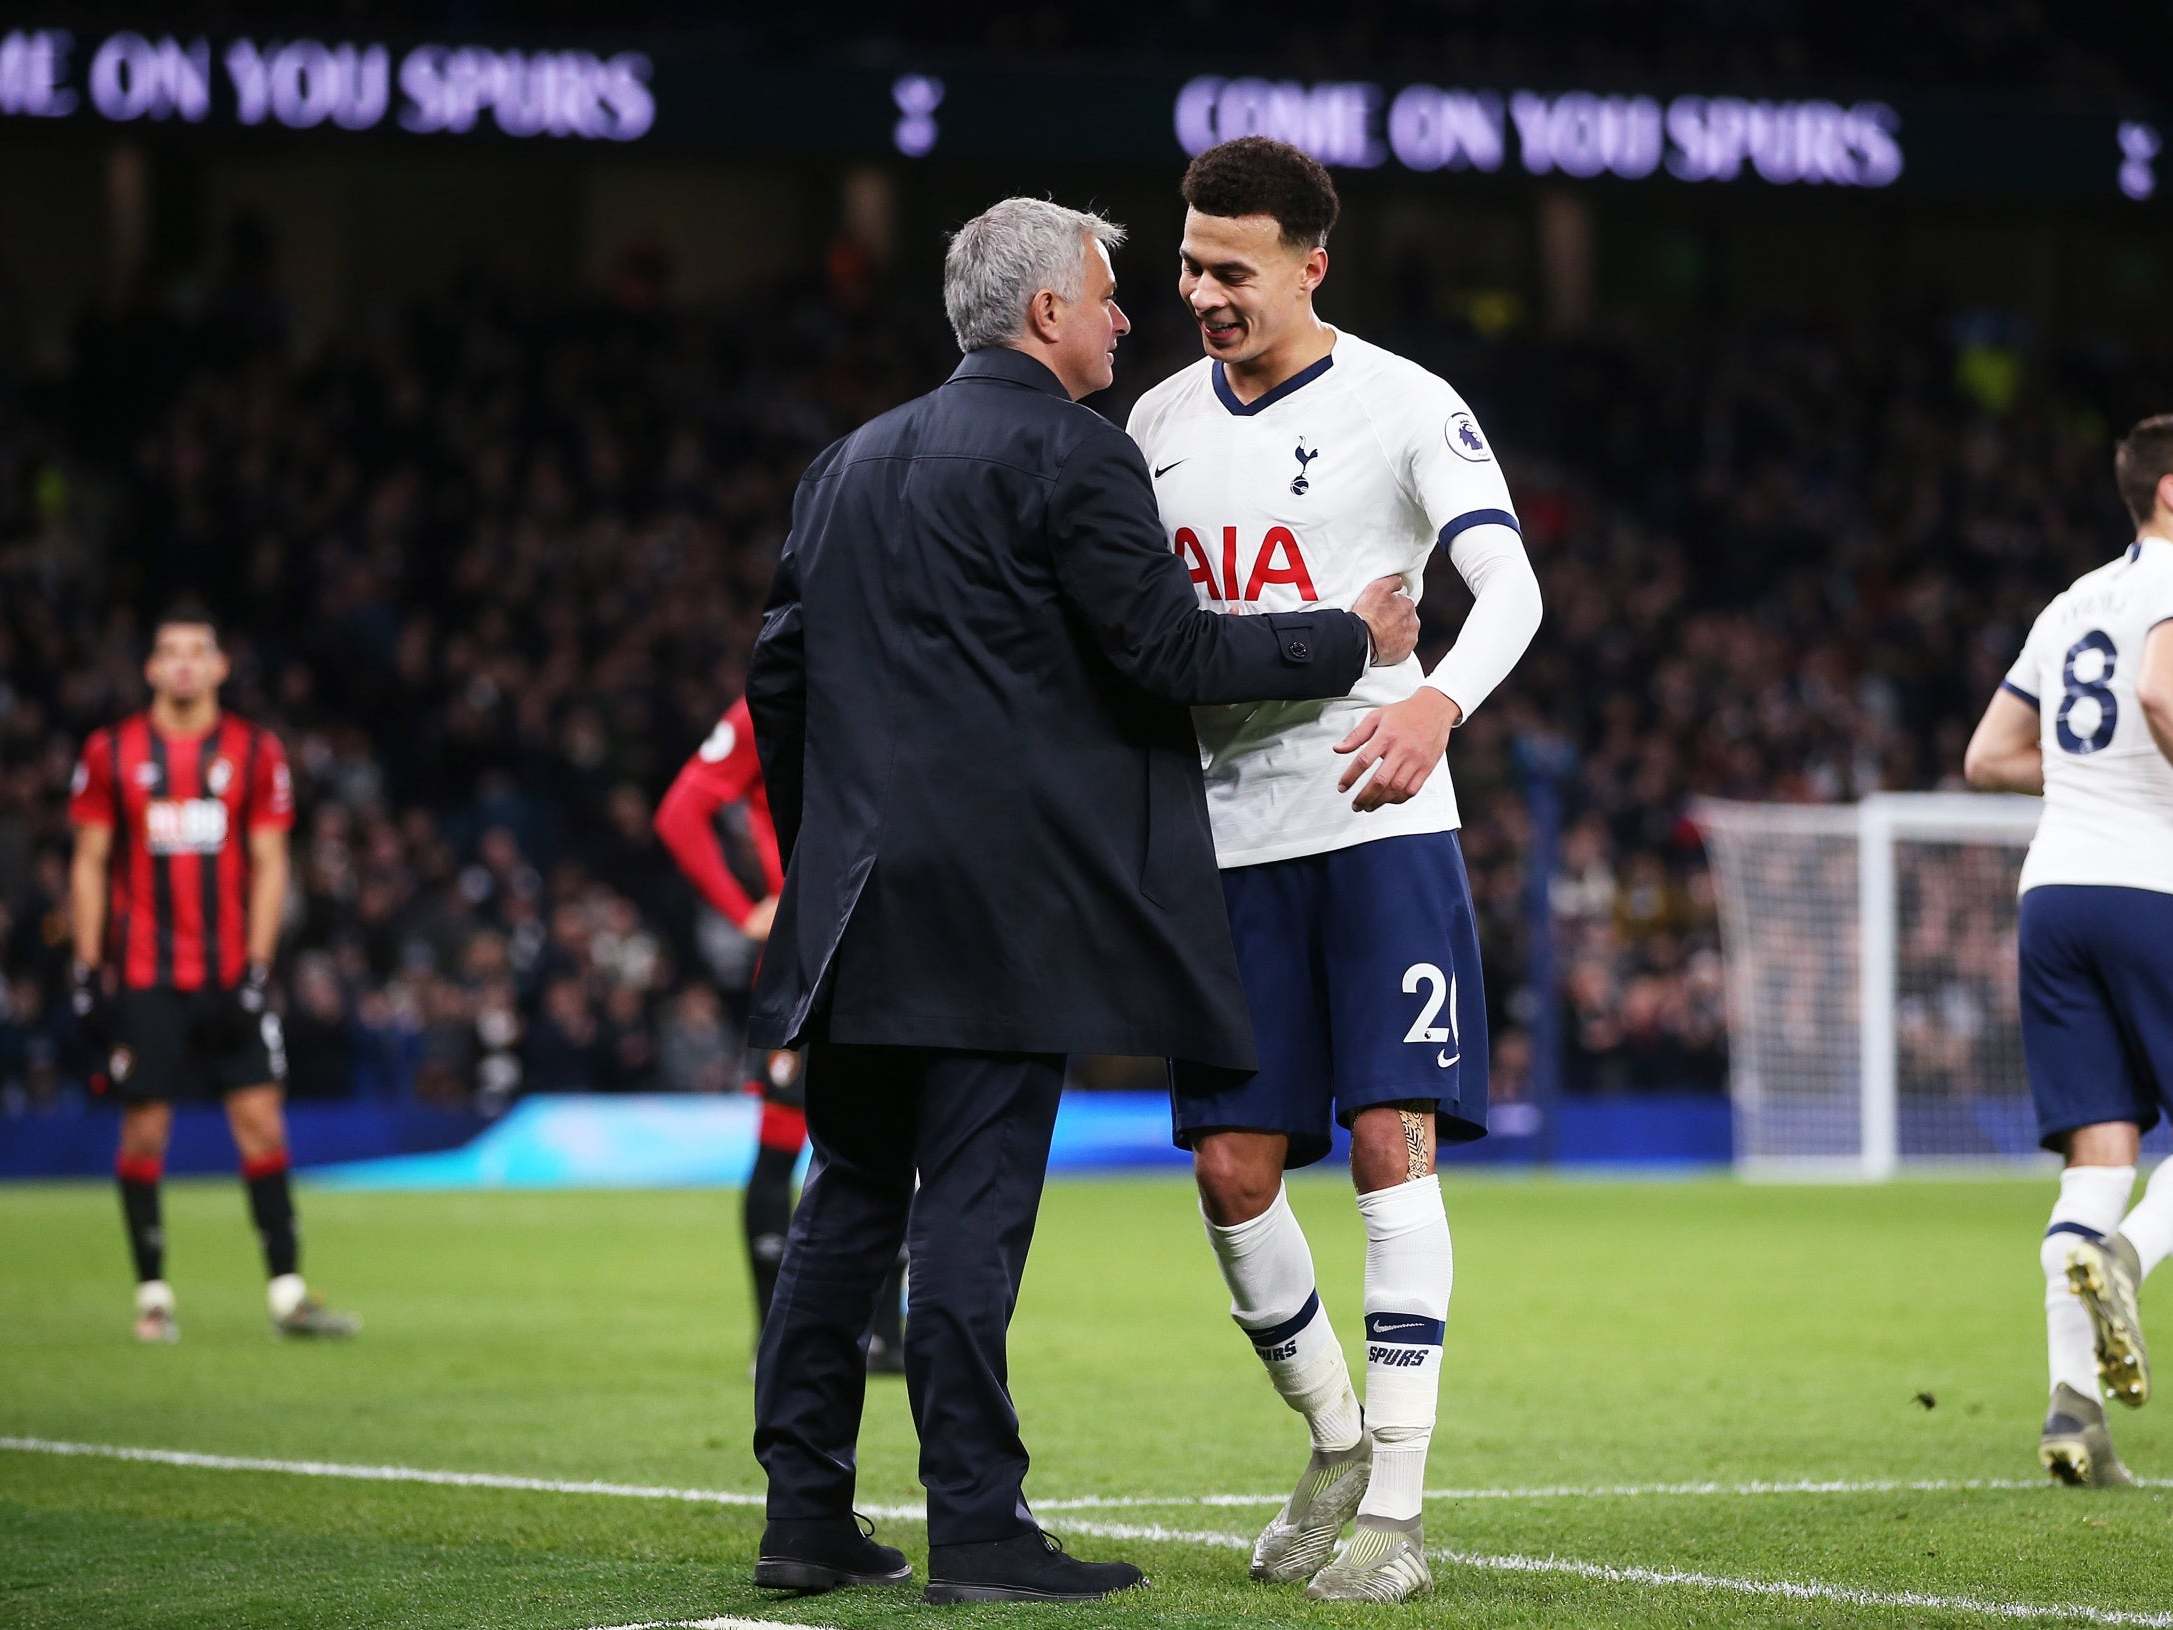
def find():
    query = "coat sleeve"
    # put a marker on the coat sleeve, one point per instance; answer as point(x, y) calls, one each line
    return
point(777, 689)
point(1119, 575)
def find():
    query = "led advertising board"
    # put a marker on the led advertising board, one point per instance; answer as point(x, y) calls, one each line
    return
point(696, 96)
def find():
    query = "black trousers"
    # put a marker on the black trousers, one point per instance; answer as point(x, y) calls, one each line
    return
point(975, 1128)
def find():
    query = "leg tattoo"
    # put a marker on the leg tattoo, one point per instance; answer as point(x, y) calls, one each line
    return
point(1414, 1137)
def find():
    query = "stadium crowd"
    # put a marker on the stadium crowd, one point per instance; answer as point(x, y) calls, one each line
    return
point(492, 572)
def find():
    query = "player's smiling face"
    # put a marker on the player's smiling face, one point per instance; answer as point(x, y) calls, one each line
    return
point(1246, 288)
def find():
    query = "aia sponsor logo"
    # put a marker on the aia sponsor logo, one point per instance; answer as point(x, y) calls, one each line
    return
point(1236, 575)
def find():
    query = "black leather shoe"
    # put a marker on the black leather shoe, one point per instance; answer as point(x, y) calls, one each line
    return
point(1029, 1567)
point(826, 1553)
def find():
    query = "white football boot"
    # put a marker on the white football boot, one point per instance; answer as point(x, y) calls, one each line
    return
point(1383, 1561)
point(155, 1320)
point(1301, 1536)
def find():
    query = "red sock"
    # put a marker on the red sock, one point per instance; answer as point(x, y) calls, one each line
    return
point(782, 1128)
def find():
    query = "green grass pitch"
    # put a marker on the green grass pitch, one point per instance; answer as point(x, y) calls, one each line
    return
point(1604, 1337)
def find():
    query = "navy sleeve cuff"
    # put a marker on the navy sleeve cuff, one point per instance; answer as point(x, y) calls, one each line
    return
point(2010, 686)
point(1476, 517)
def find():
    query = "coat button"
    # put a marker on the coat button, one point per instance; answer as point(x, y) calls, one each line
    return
point(1300, 651)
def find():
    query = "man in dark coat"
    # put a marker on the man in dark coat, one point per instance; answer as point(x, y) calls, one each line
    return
point(970, 698)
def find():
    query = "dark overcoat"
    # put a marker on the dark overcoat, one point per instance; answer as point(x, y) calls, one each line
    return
point(970, 699)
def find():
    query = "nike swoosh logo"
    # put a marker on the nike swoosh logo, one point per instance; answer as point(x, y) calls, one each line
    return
point(1384, 1329)
point(1165, 470)
point(1443, 1060)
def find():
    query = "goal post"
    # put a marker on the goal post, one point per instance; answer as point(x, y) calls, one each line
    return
point(1873, 1013)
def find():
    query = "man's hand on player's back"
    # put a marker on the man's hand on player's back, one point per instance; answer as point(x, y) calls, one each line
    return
point(759, 918)
point(1392, 617)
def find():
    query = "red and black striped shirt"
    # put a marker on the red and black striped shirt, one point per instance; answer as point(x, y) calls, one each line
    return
point(724, 770)
point(181, 809)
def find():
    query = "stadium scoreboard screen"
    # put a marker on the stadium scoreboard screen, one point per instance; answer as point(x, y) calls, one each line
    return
point(701, 97)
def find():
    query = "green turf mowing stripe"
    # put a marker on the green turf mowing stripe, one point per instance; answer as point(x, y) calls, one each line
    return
point(913, 1513)
point(1606, 1491)
point(1600, 1573)
point(1778, 1589)
point(411, 1474)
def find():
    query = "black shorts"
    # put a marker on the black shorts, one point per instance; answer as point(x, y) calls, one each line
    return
point(190, 1044)
point(779, 1075)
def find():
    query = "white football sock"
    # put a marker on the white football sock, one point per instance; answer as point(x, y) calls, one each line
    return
point(1408, 1268)
point(284, 1294)
point(2149, 1226)
point(154, 1296)
point(2091, 1198)
point(1269, 1269)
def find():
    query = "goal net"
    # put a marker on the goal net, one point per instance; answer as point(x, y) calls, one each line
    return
point(1873, 1015)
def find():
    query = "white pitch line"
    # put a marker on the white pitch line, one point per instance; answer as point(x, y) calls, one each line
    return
point(915, 1512)
point(1784, 1589)
point(1609, 1491)
point(1811, 1591)
point(417, 1474)
point(1791, 1590)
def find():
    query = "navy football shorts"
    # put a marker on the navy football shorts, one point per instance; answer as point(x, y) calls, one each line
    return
point(1361, 968)
point(2097, 1005)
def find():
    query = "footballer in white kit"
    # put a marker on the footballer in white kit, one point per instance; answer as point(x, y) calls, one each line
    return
point(2085, 716)
point(1295, 463)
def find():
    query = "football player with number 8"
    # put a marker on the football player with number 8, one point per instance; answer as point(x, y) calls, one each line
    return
point(2085, 717)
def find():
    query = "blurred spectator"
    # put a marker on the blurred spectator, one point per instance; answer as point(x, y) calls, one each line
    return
point(320, 1049)
point(496, 569)
point(698, 1053)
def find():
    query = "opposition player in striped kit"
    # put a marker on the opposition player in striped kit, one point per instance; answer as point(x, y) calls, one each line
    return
point(2085, 717)
point(181, 815)
point(1294, 463)
point(724, 772)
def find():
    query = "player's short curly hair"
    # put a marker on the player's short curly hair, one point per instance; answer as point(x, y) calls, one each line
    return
point(2143, 458)
point(1258, 175)
point(186, 610)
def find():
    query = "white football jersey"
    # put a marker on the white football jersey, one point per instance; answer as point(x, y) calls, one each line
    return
point(2108, 790)
point(1354, 468)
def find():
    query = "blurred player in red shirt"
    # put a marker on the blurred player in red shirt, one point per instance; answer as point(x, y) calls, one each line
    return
point(725, 771)
point(181, 815)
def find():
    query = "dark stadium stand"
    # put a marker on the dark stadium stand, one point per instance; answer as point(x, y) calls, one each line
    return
point(491, 569)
